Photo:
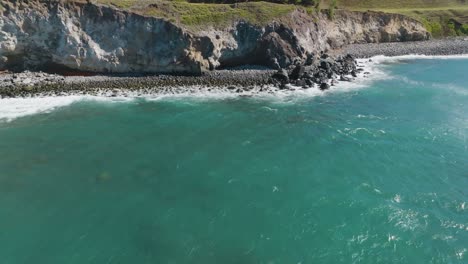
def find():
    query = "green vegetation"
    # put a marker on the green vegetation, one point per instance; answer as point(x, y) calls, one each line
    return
point(434, 28)
point(294, 2)
point(331, 9)
point(400, 4)
point(441, 22)
point(124, 4)
point(200, 14)
point(440, 17)
point(464, 29)
point(217, 14)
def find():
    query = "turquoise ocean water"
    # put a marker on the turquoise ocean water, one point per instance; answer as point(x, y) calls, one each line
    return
point(377, 174)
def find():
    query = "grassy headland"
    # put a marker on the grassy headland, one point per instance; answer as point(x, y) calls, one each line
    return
point(195, 15)
point(440, 17)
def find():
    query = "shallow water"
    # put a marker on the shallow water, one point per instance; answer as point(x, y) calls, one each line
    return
point(376, 173)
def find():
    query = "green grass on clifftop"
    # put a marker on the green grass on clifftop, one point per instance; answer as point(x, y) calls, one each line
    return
point(400, 4)
point(201, 14)
point(440, 17)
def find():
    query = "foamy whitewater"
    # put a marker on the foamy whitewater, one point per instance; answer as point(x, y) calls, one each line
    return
point(17, 107)
point(11, 108)
point(373, 171)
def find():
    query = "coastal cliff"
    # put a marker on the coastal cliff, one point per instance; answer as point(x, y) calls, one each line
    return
point(77, 36)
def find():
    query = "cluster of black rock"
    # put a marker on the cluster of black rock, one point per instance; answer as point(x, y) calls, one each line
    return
point(315, 71)
point(323, 70)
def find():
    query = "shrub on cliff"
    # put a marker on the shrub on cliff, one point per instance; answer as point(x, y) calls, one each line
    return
point(331, 9)
point(464, 29)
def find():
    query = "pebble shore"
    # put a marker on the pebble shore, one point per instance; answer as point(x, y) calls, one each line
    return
point(316, 72)
point(29, 84)
point(449, 46)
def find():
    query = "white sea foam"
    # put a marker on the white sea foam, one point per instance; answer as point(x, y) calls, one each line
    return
point(220, 93)
point(383, 58)
point(374, 70)
point(452, 88)
point(12, 108)
point(376, 66)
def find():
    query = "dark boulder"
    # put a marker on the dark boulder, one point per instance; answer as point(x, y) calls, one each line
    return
point(309, 83)
point(281, 75)
point(297, 72)
point(324, 86)
point(275, 64)
point(349, 57)
point(308, 75)
point(325, 72)
point(300, 83)
point(281, 44)
point(325, 64)
point(297, 61)
point(344, 78)
point(310, 59)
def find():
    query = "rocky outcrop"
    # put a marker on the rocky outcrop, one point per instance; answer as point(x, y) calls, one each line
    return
point(322, 70)
point(87, 37)
point(280, 43)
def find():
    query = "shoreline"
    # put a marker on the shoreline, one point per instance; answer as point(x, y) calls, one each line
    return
point(236, 81)
point(249, 79)
point(434, 47)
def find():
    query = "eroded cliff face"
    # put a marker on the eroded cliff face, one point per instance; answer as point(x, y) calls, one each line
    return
point(88, 37)
point(293, 37)
point(94, 38)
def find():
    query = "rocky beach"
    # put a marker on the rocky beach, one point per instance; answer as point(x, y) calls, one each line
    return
point(321, 71)
point(108, 50)
point(315, 72)
point(433, 47)
point(70, 41)
point(233, 132)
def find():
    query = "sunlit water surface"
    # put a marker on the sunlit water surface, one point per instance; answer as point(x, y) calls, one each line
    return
point(377, 174)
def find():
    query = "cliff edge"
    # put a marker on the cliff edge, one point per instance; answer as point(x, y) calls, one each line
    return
point(45, 35)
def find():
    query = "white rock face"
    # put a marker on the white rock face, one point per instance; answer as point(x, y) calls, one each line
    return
point(88, 37)
point(92, 38)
